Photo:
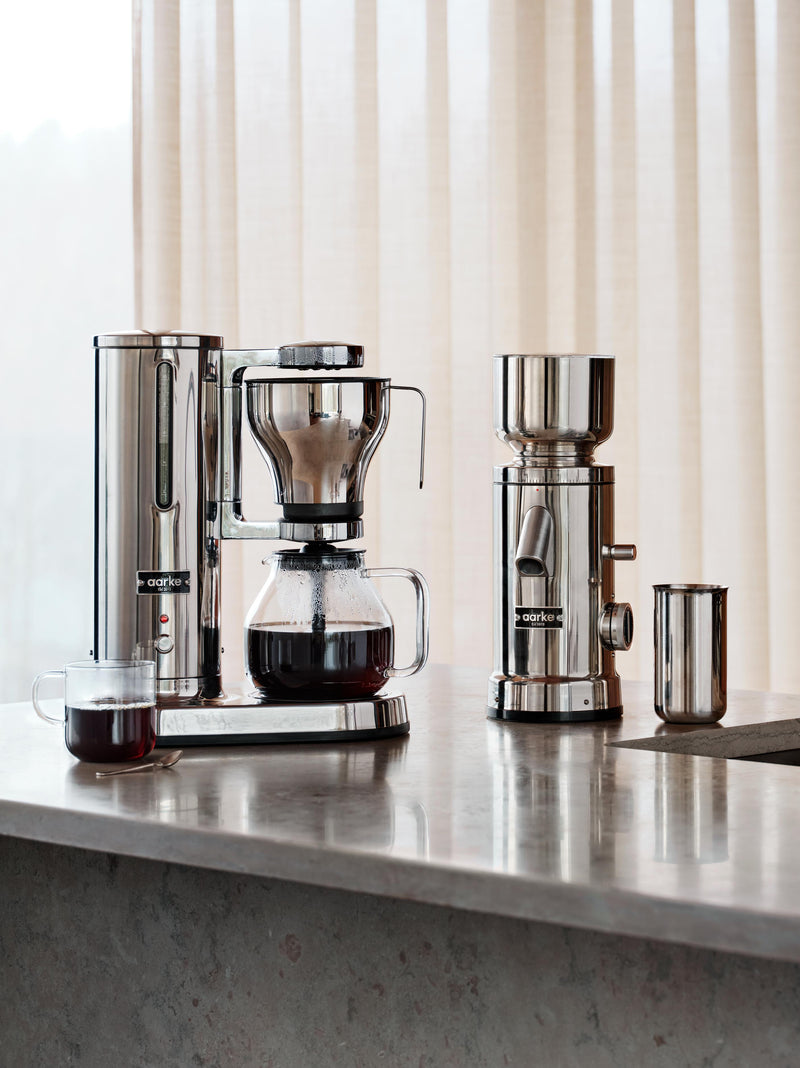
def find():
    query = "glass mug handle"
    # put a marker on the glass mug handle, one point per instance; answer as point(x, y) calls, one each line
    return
point(421, 590)
point(40, 712)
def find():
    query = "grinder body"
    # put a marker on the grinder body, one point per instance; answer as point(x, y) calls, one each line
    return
point(556, 624)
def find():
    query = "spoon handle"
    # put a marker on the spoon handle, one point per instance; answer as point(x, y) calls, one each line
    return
point(127, 771)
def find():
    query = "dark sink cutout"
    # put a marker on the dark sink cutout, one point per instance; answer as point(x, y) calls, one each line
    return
point(774, 742)
point(788, 756)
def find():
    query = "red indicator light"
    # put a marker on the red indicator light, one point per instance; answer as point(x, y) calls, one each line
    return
point(163, 619)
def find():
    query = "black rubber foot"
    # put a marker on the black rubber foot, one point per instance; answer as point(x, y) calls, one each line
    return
point(331, 737)
point(589, 715)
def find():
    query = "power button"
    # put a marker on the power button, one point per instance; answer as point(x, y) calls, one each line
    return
point(165, 644)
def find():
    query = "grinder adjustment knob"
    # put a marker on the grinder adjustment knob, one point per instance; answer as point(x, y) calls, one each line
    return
point(616, 627)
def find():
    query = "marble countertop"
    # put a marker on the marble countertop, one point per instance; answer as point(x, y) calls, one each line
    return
point(541, 822)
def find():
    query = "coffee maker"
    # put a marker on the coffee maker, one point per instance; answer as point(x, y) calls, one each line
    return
point(556, 624)
point(168, 491)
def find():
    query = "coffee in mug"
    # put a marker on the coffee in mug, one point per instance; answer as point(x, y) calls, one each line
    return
point(109, 708)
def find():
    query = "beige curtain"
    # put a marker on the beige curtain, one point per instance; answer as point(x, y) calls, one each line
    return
point(444, 179)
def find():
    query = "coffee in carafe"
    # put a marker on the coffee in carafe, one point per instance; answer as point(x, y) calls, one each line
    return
point(344, 661)
point(319, 631)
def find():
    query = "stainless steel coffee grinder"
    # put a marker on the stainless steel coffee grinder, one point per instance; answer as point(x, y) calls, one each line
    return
point(168, 491)
point(556, 625)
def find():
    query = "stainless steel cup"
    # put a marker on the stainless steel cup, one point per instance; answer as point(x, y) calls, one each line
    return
point(690, 652)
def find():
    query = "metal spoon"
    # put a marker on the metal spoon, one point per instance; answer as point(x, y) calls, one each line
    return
point(165, 761)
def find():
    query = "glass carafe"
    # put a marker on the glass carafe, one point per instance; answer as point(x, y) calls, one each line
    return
point(319, 631)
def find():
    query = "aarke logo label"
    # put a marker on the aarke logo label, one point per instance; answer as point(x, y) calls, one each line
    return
point(163, 582)
point(548, 617)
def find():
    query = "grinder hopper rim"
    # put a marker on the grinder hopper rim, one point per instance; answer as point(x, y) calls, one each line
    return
point(551, 398)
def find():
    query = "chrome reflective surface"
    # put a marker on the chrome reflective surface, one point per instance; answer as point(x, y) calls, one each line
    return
point(556, 624)
point(318, 437)
point(690, 636)
point(691, 810)
point(304, 356)
point(166, 760)
point(559, 666)
point(167, 339)
point(234, 526)
point(156, 536)
point(553, 399)
point(246, 717)
point(616, 627)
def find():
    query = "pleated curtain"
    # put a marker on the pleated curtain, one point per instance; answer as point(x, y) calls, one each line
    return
point(440, 180)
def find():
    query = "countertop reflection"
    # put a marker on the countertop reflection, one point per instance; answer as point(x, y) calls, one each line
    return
point(536, 821)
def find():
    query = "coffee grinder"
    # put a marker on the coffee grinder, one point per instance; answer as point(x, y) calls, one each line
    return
point(556, 625)
point(169, 410)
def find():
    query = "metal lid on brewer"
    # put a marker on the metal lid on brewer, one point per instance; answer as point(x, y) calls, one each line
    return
point(304, 355)
point(318, 355)
point(157, 339)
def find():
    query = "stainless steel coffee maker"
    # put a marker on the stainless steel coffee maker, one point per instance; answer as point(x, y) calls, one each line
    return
point(556, 625)
point(168, 491)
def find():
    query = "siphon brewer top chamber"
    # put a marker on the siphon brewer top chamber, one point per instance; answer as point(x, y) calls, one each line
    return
point(318, 437)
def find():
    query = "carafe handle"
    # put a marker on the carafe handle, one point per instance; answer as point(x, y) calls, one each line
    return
point(421, 590)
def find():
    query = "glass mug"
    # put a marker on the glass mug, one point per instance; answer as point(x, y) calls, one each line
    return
point(110, 708)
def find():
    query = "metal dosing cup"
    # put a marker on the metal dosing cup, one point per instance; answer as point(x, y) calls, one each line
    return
point(690, 634)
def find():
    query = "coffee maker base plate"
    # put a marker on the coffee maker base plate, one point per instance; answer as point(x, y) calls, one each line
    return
point(246, 719)
point(570, 701)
